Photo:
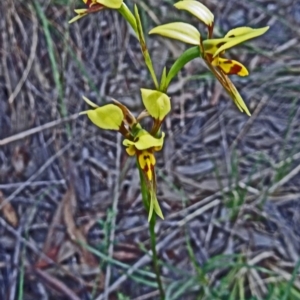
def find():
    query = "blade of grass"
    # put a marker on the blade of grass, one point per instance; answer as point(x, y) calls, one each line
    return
point(54, 65)
point(291, 281)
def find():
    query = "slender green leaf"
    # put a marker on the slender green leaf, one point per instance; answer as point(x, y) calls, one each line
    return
point(180, 62)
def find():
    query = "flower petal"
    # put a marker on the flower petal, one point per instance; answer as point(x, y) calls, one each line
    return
point(145, 141)
point(108, 116)
point(130, 150)
point(157, 103)
point(237, 98)
point(197, 9)
point(114, 4)
point(230, 66)
point(240, 35)
point(179, 31)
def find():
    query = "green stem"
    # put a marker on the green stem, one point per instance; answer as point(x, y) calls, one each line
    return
point(154, 256)
point(146, 202)
point(147, 57)
point(129, 17)
point(180, 62)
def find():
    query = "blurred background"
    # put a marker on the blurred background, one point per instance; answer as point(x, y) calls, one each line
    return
point(72, 224)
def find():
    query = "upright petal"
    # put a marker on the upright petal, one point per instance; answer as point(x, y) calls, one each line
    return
point(179, 31)
point(157, 103)
point(197, 9)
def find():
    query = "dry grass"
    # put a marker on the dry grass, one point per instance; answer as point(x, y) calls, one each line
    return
point(72, 225)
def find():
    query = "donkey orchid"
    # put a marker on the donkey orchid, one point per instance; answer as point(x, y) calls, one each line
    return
point(95, 6)
point(143, 147)
point(212, 49)
point(138, 141)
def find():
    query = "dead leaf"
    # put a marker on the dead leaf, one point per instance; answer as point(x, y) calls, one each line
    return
point(127, 252)
point(9, 212)
point(74, 232)
point(54, 239)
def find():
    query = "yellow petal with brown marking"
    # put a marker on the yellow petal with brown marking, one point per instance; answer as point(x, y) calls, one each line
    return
point(232, 67)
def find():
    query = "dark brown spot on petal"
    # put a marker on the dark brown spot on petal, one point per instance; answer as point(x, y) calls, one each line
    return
point(146, 169)
point(235, 69)
point(231, 36)
point(229, 61)
point(146, 157)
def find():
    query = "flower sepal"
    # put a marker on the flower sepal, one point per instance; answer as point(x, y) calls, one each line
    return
point(154, 206)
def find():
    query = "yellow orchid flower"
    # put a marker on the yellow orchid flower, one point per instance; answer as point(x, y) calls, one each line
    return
point(212, 49)
point(143, 147)
point(221, 67)
point(95, 6)
point(138, 141)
